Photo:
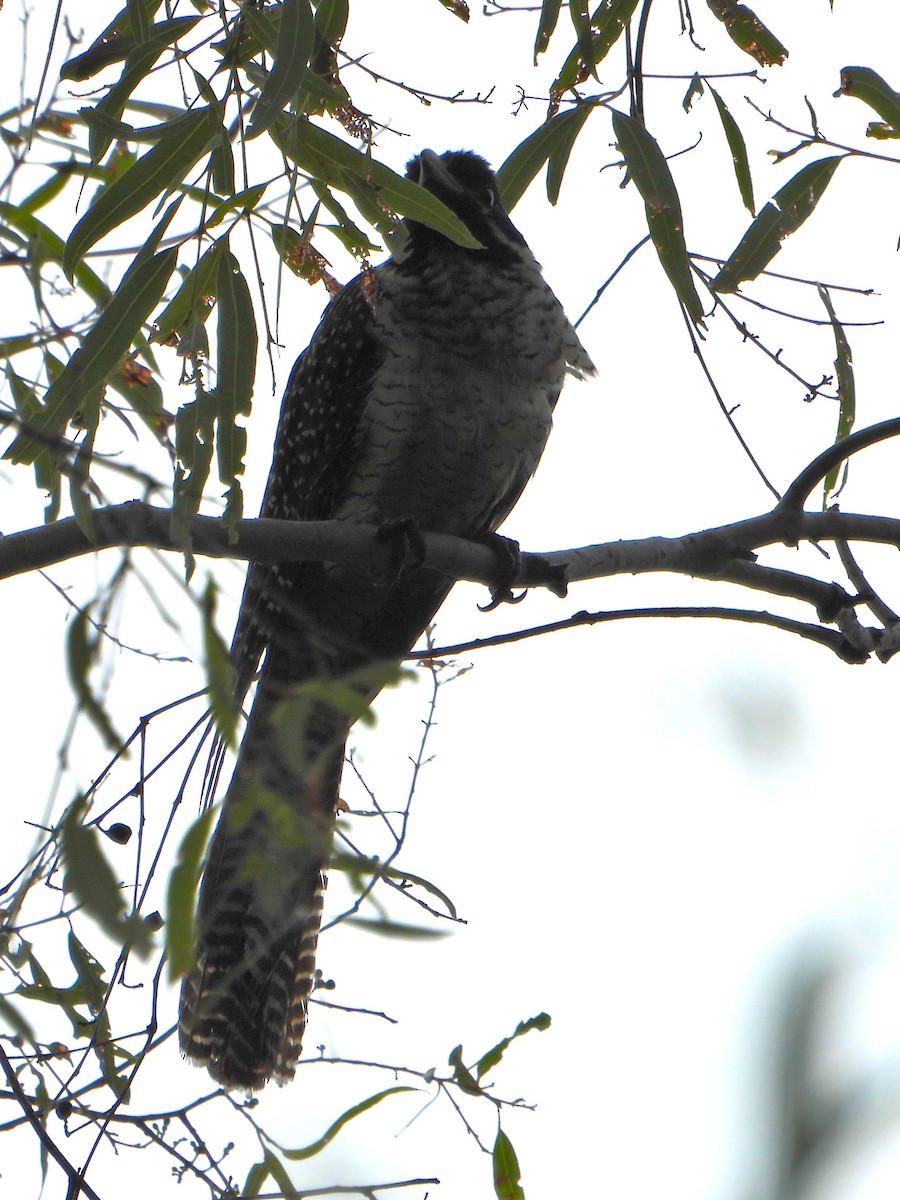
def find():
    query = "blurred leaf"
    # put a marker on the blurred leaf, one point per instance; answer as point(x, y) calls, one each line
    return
point(181, 897)
point(846, 388)
point(608, 21)
point(401, 930)
point(89, 880)
point(219, 671)
point(738, 149)
point(335, 1128)
point(160, 169)
point(90, 973)
point(787, 211)
point(81, 651)
point(864, 84)
point(13, 1023)
point(648, 168)
point(102, 350)
point(490, 1060)
point(507, 1175)
point(553, 140)
point(747, 32)
point(292, 53)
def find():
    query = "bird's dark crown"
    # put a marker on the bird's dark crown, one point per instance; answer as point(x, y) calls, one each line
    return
point(468, 186)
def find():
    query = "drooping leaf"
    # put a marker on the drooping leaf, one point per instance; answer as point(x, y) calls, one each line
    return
point(81, 650)
point(507, 1173)
point(181, 897)
point(219, 671)
point(738, 149)
point(193, 302)
point(789, 208)
point(867, 85)
point(335, 1128)
point(747, 31)
point(695, 89)
point(235, 374)
point(846, 389)
point(293, 48)
point(88, 878)
point(551, 141)
point(648, 168)
point(546, 25)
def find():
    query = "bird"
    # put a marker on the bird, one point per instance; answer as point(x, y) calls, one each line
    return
point(423, 401)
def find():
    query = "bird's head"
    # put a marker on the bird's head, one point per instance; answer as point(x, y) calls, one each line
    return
point(468, 186)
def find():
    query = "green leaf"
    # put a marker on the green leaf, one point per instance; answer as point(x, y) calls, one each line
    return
point(235, 374)
point(102, 349)
point(546, 25)
point(46, 246)
point(338, 164)
point(110, 46)
point(181, 897)
point(402, 930)
point(89, 880)
point(81, 651)
point(747, 32)
point(335, 1128)
point(13, 1023)
point(160, 169)
point(219, 671)
point(695, 88)
point(296, 34)
point(490, 1060)
point(787, 211)
point(650, 171)
point(507, 1175)
point(193, 302)
point(139, 59)
point(738, 149)
point(862, 83)
point(608, 20)
point(461, 1073)
point(358, 865)
point(553, 140)
point(559, 153)
point(846, 381)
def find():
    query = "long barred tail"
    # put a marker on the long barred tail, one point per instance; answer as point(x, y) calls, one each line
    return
point(244, 1007)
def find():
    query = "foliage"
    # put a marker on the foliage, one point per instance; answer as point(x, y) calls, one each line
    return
point(219, 145)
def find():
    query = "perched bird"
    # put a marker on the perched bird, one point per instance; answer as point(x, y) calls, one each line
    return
point(425, 396)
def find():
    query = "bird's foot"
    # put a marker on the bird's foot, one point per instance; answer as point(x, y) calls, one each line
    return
point(509, 562)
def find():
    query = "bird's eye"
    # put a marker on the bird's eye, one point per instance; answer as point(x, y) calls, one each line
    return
point(488, 199)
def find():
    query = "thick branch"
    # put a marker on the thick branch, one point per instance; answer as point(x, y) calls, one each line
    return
point(724, 553)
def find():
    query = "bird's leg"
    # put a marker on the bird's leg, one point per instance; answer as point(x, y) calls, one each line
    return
point(509, 563)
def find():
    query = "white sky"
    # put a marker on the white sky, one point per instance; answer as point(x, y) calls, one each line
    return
point(647, 826)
